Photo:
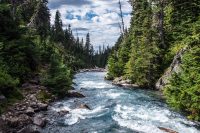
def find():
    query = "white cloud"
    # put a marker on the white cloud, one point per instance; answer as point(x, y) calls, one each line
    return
point(103, 25)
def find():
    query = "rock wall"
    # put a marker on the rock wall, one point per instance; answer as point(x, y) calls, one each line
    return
point(174, 67)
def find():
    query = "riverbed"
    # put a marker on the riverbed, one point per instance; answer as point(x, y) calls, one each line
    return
point(114, 110)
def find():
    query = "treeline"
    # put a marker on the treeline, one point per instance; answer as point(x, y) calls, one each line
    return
point(101, 56)
point(159, 29)
point(30, 45)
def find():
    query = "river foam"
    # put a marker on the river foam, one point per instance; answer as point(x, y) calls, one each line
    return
point(114, 110)
point(77, 114)
point(149, 119)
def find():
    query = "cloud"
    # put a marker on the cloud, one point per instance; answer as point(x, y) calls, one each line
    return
point(99, 17)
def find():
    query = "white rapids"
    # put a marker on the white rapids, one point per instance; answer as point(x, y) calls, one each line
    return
point(114, 110)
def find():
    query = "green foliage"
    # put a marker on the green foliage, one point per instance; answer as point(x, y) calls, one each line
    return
point(159, 29)
point(8, 27)
point(21, 56)
point(28, 44)
point(7, 83)
point(101, 57)
point(8, 88)
point(58, 77)
point(115, 69)
point(183, 91)
point(138, 55)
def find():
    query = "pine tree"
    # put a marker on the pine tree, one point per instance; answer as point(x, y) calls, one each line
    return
point(42, 20)
point(59, 33)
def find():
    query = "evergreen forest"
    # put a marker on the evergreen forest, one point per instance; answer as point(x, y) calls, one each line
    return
point(159, 30)
point(159, 52)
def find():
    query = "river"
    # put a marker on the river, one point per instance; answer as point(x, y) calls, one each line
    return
point(114, 110)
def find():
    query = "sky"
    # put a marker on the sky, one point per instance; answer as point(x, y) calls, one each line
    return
point(98, 17)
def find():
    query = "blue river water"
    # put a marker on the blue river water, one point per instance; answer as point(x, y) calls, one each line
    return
point(114, 110)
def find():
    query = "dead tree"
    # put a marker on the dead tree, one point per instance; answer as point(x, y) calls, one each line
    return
point(121, 15)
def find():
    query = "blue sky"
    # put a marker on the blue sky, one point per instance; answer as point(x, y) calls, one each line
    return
point(99, 17)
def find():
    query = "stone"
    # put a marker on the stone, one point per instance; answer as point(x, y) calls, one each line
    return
point(30, 129)
point(63, 112)
point(124, 83)
point(84, 106)
point(75, 94)
point(42, 106)
point(25, 85)
point(167, 130)
point(39, 120)
point(34, 81)
point(117, 80)
point(19, 121)
point(2, 98)
point(30, 111)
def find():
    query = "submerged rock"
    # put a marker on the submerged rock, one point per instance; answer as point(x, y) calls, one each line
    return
point(167, 130)
point(75, 94)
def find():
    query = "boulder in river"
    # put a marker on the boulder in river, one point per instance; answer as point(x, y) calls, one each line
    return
point(63, 112)
point(75, 94)
point(84, 106)
point(167, 130)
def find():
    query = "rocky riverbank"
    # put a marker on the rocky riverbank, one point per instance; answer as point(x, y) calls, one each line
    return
point(28, 115)
point(119, 81)
point(92, 70)
point(25, 116)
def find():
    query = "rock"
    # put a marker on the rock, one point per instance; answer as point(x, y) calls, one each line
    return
point(34, 81)
point(2, 98)
point(174, 68)
point(63, 112)
point(3, 126)
point(84, 106)
point(18, 121)
point(167, 130)
point(124, 83)
point(25, 85)
point(75, 94)
point(96, 69)
point(30, 111)
point(30, 129)
point(39, 120)
point(117, 80)
point(42, 106)
point(127, 85)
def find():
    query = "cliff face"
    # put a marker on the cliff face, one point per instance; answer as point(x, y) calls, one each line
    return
point(174, 67)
